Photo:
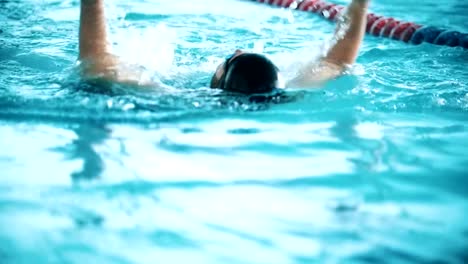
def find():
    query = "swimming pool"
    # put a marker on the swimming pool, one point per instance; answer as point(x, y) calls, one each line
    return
point(370, 169)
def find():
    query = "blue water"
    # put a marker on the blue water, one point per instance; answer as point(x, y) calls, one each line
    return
point(369, 169)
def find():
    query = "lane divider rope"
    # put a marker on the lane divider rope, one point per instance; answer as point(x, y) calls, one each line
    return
point(380, 26)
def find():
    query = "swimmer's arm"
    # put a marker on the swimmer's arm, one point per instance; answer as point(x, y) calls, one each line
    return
point(94, 48)
point(346, 49)
point(95, 55)
point(341, 54)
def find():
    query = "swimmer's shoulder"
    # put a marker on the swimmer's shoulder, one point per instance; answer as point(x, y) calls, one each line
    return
point(315, 74)
point(106, 72)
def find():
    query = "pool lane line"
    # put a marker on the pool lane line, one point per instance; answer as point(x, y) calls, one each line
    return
point(380, 26)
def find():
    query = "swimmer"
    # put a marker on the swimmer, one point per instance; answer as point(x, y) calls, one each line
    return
point(242, 72)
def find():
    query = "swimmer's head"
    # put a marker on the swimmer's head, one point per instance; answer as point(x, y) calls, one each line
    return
point(247, 73)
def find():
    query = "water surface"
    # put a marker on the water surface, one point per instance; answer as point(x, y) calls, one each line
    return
point(369, 169)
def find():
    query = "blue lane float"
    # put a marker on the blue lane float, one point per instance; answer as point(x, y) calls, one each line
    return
point(380, 26)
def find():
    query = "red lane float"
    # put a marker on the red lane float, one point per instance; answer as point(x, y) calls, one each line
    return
point(378, 25)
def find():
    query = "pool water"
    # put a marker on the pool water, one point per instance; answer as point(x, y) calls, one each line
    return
point(372, 168)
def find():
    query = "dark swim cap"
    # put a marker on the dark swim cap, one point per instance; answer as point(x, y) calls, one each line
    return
point(250, 73)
